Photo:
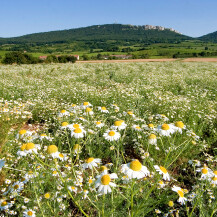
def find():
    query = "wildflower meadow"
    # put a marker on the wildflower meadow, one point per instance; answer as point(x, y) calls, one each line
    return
point(108, 139)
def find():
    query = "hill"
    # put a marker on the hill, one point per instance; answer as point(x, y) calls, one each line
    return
point(211, 37)
point(149, 34)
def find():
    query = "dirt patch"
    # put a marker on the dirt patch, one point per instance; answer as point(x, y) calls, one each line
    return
point(151, 60)
point(200, 60)
point(126, 61)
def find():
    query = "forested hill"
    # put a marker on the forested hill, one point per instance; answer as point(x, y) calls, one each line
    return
point(102, 33)
point(211, 37)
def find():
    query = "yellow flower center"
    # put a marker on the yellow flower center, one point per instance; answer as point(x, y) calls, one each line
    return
point(171, 204)
point(179, 124)
point(103, 108)
point(98, 122)
point(105, 180)
point(64, 124)
point(4, 203)
point(89, 160)
point(204, 171)
point(138, 127)
point(61, 155)
point(111, 133)
point(163, 169)
point(52, 149)
point(152, 136)
point(180, 193)
point(22, 148)
point(43, 134)
point(161, 182)
point(165, 127)
point(88, 109)
point(63, 111)
point(47, 195)
point(86, 103)
point(30, 213)
point(90, 181)
point(73, 105)
point(16, 186)
point(135, 165)
point(54, 172)
point(151, 125)
point(22, 132)
point(76, 147)
point(130, 113)
point(214, 178)
point(76, 126)
point(30, 146)
point(215, 172)
point(118, 123)
point(77, 130)
point(102, 168)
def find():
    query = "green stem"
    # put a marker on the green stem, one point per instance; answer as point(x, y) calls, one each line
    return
point(132, 195)
point(103, 206)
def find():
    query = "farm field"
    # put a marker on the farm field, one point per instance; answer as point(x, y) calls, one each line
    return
point(108, 139)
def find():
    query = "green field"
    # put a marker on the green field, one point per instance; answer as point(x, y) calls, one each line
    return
point(150, 128)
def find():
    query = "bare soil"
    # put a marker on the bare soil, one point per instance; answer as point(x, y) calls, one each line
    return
point(151, 60)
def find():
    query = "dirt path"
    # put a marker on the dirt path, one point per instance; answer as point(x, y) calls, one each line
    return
point(151, 60)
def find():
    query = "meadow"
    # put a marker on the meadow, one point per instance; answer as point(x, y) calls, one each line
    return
point(109, 139)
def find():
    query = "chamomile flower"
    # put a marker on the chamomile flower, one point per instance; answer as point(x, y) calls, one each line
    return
point(84, 105)
point(161, 184)
point(91, 162)
point(73, 189)
point(180, 192)
point(130, 113)
point(137, 127)
point(162, 117)
point(103, 109)
point(31, 147)
point(78, 133)
point(99, 124)
point(62, 157)
point(64, 125)
point(4, 205)
point(135, 169)
point(163, 171)
point(214, 180)
point(152, 139)
point(76, 149)
point(166, 129)
point(44, 136)
point(149, 127)
point(104, 184)
point(17, 186)
point(119, 125)
point(63, 113)
point(85, 193)
point(89, 111)
point(112, 135)
point(23, 133)
point(179, 126)
point(206, 173)
point(29, 213)
point(52, 150)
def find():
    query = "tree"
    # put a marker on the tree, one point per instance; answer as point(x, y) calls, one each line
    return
point(85, 57)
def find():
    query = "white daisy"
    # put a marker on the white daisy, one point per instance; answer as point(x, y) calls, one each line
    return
point(103, 109)
point(23, 133)
point(44, 136)
point(180, 192)
point(150, 127)
point(29, 213)
point(52, 150)
point(31, 147)
point(206, 173)
point(4, 205)
point(162, 171)
point(84, 105)
point(112, 135)
point(214, 180)
point(73, 188)
point(136, 127)
point(91, 162)
point(135, 170)
point(166, 129)
point(103, 183)
point(63, 113)
point(89, 111)
point(99, 124)
point(152, 139)
point(78, 133)
point(179, 126)
point(119, 125)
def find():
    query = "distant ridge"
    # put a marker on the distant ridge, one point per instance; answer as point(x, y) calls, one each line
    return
point(146, 33)
point(211, 37)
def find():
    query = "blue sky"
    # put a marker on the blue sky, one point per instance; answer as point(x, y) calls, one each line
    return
point(190, 17)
